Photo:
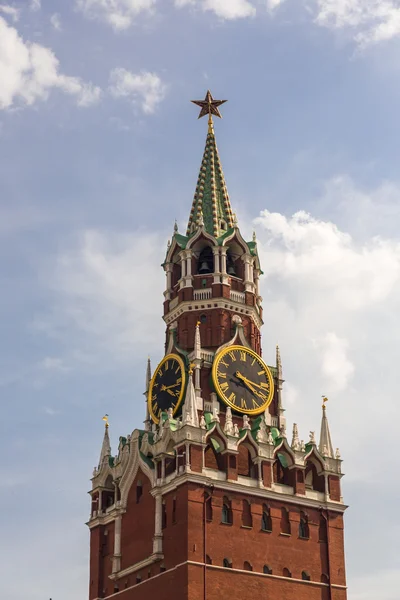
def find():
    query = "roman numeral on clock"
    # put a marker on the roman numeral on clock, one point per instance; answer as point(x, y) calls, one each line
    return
point(224, 386)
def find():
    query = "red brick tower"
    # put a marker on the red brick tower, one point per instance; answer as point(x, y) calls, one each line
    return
point(210, 501)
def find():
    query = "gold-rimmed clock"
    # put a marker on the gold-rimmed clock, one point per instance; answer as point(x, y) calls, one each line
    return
point(167, 386)
point(242, 380)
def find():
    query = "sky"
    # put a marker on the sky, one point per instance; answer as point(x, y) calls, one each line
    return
point(99, 154)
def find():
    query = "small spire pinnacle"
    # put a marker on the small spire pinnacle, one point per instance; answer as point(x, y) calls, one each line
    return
point(197, 342)
point(325, 443)
point(106, 446)
point(189, 412)
point(295, 438)
point(278, 362)
point(176, 226)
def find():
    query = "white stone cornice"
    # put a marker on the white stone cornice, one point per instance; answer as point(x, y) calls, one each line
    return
point(221, 303)
point(279, 493)
point(137, 566)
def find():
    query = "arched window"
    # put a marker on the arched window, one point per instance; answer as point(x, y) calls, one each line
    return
point(314, 481)
point(322, 532)
point(280, 469)
point(208, 560)
point(226, 516)
point(230, 264)
point(209, 508)
point(138, 578)
point(304, 529)
point(205, 263)
point(139, 491)
point(247, 566)
point(285, 521)
point(267, 570)
point(227, 563)
point(324, 578)
point(266, 521)
point(286, 572)
point(305, 576)
point(247, 519)
point(164, 516)
point(246, 467)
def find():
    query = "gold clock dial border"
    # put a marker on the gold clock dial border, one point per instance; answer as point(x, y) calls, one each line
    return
point(219, 357)
point(150, 394)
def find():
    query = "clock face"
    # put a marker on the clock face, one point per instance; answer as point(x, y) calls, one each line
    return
point(167, 386)
point(242, 380)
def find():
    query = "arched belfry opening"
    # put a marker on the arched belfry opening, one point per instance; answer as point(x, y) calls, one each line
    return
point(205, 263)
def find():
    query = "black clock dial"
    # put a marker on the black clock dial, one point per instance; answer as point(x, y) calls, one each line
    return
point(243, 380)
point(167, 386)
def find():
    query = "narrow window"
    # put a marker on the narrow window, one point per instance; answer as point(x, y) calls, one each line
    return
point(247, 566)
point(324, 578)
point(286, 572)
point(247, 519)
point(149, 574)
point(304, 529)
point(139, 491)
point(209, 509)
point(164, 516)
point(138, 579)
point(162, 568)
point(116, 588)
point(227, 563)
point(305, 576)
point(267, 570)
point(266, 521)
point(322, 533)
point(174, 510)
point(226, 516)
point(208, 560)
point(285, 522)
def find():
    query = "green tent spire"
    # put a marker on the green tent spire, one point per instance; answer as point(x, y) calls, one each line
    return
point(211, 200)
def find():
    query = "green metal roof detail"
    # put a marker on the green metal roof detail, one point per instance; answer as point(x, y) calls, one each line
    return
point(147, 460)
point(211, 199)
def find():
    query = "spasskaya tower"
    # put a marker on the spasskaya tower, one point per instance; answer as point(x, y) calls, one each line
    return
point(210, 500)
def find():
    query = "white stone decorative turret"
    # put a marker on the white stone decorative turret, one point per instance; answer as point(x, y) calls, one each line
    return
point(189, 413)
point(281, 410)
point(106, 447)
point(325, 442)
point(295, 438)
point(197, 366)
point(228, 428)
point(246, 422)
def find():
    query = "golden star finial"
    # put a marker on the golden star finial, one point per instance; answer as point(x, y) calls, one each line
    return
point(209, 106)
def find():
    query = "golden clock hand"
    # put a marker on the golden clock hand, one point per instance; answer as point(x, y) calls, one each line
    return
point(246, 381)
point(170, 392)
point(165, 388)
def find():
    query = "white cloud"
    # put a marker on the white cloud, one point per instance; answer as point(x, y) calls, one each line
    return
point(52, 363)
point(55, 21)
point(29, 71)
point(120, 14)
point(376, 20)
point(11, 11)
point(36, 5)
point(367, 21)
point(111, 290)
point(225, 9)
point(336, 367)
point(143, 89)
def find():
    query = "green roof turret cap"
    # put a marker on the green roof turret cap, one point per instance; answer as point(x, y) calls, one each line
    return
point(211, 206)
